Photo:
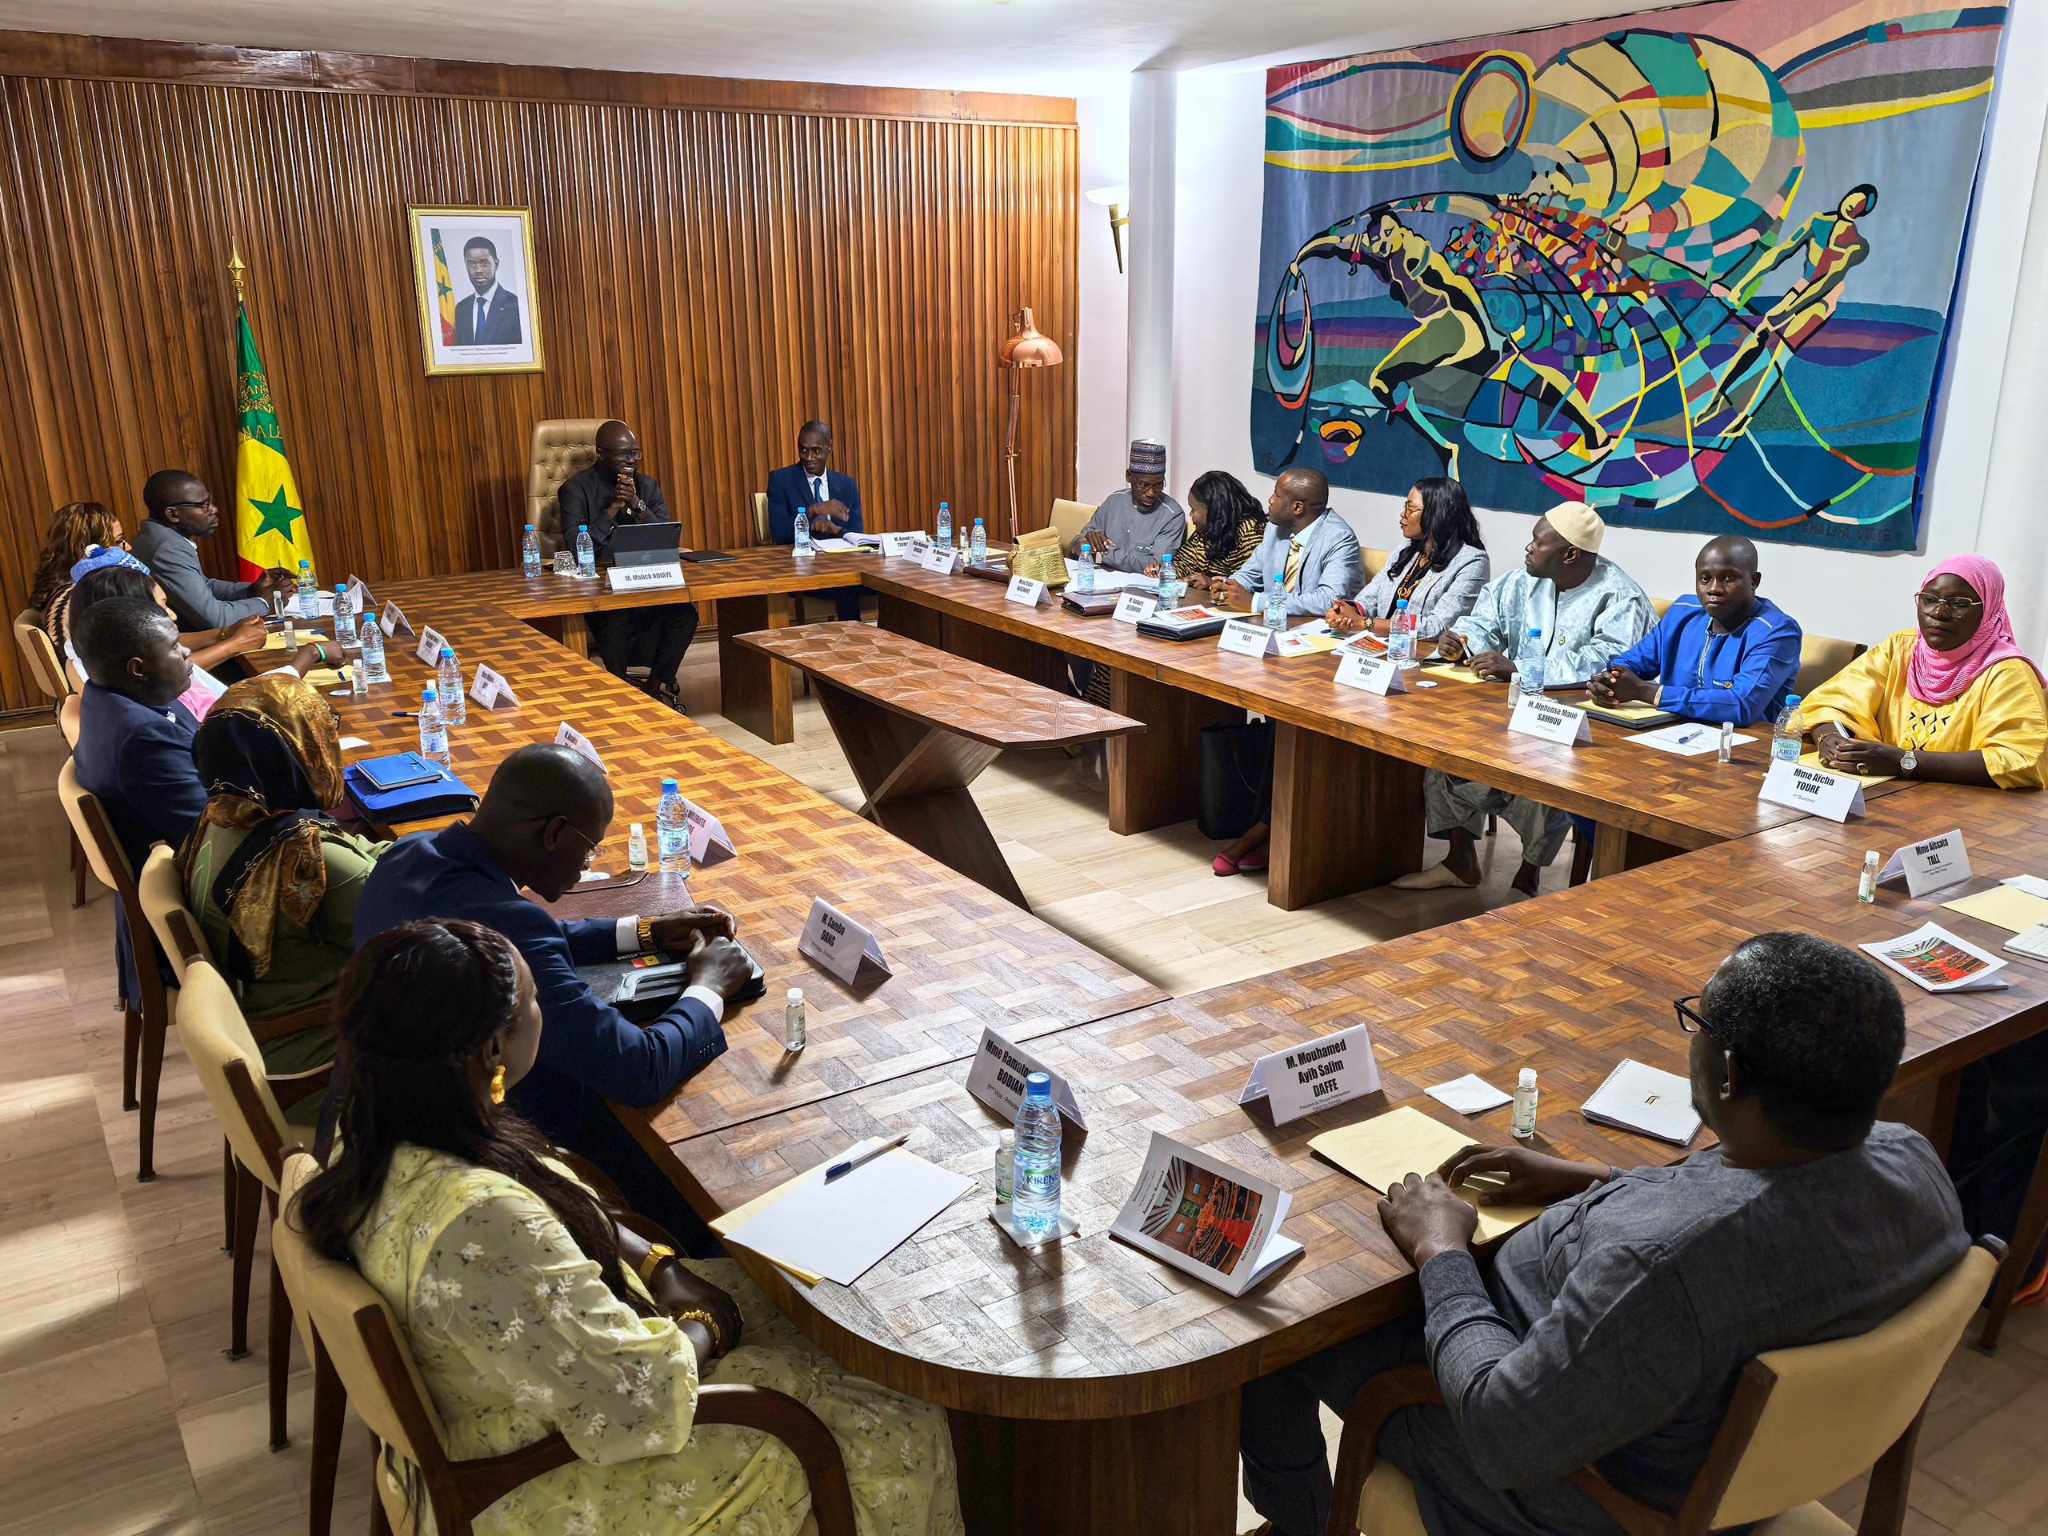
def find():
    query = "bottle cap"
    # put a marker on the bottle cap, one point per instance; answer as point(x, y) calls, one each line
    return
point(447, 654)
point(1008, 1139)
point(1792, 700)
point(637, 827)
point(583, 527)
point(1527, 1079)
point(1400, 605)
point(427, 695)
point(1535, 631)
point(529, 528)
point(341, 586)
point(305, 565)
point(1038, 1087)
point(668, 786)
point(794, 995)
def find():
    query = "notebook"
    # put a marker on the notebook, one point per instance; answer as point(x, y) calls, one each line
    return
point(1646, 1100)
point(1093, 604)
point(1189, 623)
point(1205, 1218)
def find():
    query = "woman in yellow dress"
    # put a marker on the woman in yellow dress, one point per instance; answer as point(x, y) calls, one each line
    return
point(528, 1309)
point(1955, 701)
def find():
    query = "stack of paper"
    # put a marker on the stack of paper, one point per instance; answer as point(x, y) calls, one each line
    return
point(1686, 740)
point(1646, 1100)
point(840, 1231)
point(1386, 1149)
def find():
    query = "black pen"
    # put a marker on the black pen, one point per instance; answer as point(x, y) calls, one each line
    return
point(405, 714)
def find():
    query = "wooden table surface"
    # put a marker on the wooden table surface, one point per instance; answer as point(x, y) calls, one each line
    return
point(749, 573)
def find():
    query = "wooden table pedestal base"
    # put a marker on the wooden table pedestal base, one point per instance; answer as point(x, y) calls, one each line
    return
point(1344, 818)
point(1155, 776)
point(753, 690)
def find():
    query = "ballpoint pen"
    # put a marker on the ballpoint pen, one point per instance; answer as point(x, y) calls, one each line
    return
point(839, 1170)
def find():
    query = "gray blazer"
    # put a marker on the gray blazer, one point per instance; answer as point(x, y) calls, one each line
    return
point(1439, 598)
point(1333, 568)
point(200, 601)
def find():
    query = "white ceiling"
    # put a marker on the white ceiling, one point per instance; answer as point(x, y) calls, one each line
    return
point(1047, 47)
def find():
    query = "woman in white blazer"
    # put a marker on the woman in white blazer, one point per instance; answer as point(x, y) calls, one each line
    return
point(1440, 571)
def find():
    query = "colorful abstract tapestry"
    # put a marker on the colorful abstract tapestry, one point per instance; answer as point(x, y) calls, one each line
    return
point(1692, 266)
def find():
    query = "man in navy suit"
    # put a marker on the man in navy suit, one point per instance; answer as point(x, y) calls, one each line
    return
point(489, 318)
point(829, 499)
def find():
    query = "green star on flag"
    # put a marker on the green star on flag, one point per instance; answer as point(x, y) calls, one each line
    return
point(270, 520)
point(278, 515)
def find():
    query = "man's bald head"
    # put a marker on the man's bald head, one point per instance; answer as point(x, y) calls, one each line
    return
point(1306, 484)
point(541, 781)
point(618, 450)
point(1299, 497)
point(1729, 549)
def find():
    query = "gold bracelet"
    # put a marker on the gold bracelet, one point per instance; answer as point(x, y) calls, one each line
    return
point(644, 930)
point(699, 1315)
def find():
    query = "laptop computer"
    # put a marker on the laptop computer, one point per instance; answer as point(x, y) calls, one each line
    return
point(645, 544)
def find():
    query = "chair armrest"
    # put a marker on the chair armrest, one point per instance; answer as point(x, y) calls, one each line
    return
point(488, 1479)
point(319, 1016)
point(1407, 1386)
point(294, 1086)
point(777, 1414)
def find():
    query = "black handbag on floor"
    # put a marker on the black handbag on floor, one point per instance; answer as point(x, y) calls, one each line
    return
point(1236, 760)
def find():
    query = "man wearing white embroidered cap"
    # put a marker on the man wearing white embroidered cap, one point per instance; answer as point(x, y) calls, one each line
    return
point(1585, 611)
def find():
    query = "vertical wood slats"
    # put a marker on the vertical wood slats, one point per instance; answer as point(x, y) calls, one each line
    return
point(711, 275)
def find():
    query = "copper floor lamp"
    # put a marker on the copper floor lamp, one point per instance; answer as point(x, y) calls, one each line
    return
point(1026, 348)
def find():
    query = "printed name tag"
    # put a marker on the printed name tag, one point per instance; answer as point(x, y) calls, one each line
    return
point(1547, 720)
point(1837, 796)
point(997, 1079)
point(1333, 1070)
point(430, 646)
point(837, 942)
point(393, 621)
point(1026, 591)
point(490, 690)
point(1940, 861)
point(1244, 637)
point(1133, 606)
point(566, 735)
point(1370, 674)
point(643, 578)
point(940, 562)
point(896, 545)
point(359, 595)
point(708, 842)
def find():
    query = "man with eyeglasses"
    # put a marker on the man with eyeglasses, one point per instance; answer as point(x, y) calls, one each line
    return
point(1610, 1331)
point(181, 512)
point(539, 828)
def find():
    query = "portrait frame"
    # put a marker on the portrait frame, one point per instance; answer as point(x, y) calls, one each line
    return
point(439, 235)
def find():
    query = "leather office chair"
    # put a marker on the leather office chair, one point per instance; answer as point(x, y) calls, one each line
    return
point(761, 530)
point(359, 1350)
point(1068, 519)
point(1803, 1422)
point(561, 448)
point(1820, 658)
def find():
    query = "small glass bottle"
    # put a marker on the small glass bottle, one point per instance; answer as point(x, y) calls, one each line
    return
point(1006, 1166)
point(1866, 887)
point(1727, 747)
point(1525, 1104)
point(636, 847)
point(793, 1029)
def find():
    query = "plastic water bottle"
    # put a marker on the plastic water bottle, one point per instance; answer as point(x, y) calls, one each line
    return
point(1726, 747)
point(800, 547)
point(586, 552)
point(344, 619)
point(943, 534)
point(1084, 569)
point(1401, 636)
point(1006, 1166)
point(1785, 747)
point(433, 729)
point(358, 684)
point(671, 832)
point(977, 546)
point(309, 595)
point(372, 663)
point(1529, 662)
point(1035, 1197)
point(454, 699)
point(795, 1029)
point(529, 552)
point(1169, 584)
point(1276, 595)
point(636, 848)
point(1525, 1104)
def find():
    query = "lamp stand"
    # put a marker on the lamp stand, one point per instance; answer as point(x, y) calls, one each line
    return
point(1010, 448)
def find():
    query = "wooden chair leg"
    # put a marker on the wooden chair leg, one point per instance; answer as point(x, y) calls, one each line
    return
point(78, 873)
point(2027, 1234)
point(151, 1079)
point(248, 1200)
point(280, 1345)
point(227, 1196)
point(131, 1051)
point(380, 1523)
point(329, 1404)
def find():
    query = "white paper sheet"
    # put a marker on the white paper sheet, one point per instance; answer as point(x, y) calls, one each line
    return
point(1469, 1095)
point(1115, 581)
point(844, 1229)
point(1688, 738)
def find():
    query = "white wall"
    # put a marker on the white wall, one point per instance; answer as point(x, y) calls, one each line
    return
point(1100, 355)
point(1218, 207)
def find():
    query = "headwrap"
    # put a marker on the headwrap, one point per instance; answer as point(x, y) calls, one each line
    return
point(98, 557)
point(1147, 457)
point(1577, 524)
point(269, 754)
point(1935, 677)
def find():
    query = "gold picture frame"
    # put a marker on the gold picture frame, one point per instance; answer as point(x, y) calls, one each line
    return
point(469, 245)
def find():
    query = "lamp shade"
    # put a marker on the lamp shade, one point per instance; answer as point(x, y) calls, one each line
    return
point(1028, 347)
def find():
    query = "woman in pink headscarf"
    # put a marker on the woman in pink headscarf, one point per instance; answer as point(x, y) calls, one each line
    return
point(1955, 701)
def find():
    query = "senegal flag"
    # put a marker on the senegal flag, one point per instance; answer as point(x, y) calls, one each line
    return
point(270, 520)
point(444, 292)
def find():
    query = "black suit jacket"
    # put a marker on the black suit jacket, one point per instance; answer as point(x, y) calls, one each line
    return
point(501, 326)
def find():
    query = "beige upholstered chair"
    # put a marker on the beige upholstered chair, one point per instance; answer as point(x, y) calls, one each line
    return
point(1802, 1423)
point(1661, 605)
point(561, 448)
point(1375, 561)
point(358, 1348)
point(39, 655)
point(67, 722)
point(761, 530)
point(1820, 658)
point(1068, 519)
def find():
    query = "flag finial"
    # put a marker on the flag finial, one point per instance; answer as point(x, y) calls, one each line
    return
point(236, 268)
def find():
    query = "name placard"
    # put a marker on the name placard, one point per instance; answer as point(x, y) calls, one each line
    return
point(997, 1079)
point(1319, 1075)
point(644, 578)
point(359, 595)
point(897, 545)
point(1548, 720)
point(837, 942)
point(1370, 674)
point(1026, 591)
point(392, 621)
point(492, 691)
point(1930, 865)
point(940, 562)
point(1133, 606)
point(1837, 796)
point(708, 842)
point(1245, 637)
point(566, 735)
point(430, 646)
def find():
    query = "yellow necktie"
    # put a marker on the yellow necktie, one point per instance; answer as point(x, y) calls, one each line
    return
point(1297, 556)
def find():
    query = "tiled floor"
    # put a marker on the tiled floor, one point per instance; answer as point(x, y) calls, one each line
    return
point(118, 1412)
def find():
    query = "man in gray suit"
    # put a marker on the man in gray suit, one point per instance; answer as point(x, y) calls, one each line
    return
point(1317, 555)
point(181, 511)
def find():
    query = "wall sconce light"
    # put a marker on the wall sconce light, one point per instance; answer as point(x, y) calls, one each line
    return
point(1114, 198)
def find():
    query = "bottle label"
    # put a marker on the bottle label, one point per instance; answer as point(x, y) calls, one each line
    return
point(674, 844)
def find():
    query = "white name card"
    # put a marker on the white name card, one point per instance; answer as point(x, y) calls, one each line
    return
point(708, 842)
point(896, 545)
point(1837, 796)
point(940, 562)
point(492, 691)
point(430, 646)
point(1245, 637)
point(1931, 865)
point(566, 735)
point(1548, 720)
point(1320, 1075)
point(359, 594)
point(1026, 591)
point(1370, 674)
point(392, 621)
point(997, 1079)
point(1133, 606)
point(644, 578)
point(837, 942)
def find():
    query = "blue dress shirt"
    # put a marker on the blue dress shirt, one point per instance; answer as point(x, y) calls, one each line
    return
point(1742, 677)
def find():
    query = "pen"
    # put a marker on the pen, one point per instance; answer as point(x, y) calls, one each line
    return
point(841, 1170)
point(1690, 737)
point(405, 714)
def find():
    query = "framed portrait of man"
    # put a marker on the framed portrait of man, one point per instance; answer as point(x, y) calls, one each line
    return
point(479, 312)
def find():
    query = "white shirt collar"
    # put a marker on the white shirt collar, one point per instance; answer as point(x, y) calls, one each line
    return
point(489, 296)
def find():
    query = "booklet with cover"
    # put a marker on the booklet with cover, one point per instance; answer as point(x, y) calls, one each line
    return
point(1189, 623)
point(1205, 1217)
point(1646, 1100)
point(1932, 957)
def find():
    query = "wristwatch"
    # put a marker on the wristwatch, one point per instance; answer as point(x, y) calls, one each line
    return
point(644, 932)
point(1908, 760)
point(658, 1254)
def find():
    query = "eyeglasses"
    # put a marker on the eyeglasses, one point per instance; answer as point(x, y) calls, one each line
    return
point(203, 502)
point(1690, 1019)
point(1945, 607)
point(590, 856)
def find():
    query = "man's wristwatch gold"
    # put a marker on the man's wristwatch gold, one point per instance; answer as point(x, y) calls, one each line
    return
point(644, 931)
point(658, 1254)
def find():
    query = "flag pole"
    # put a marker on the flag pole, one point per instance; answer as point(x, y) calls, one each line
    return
point(236, 268)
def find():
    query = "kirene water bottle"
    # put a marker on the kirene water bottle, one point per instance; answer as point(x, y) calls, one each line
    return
point(454, 699)
point(1169, 584)
point(977, 547)
point(1401, 636)
point(671, 832)
point(358, 682)
point(1785, 745)
point(1035, 1180)
point(586, 552)
point(1276, 596)
point(800, 536)
point(1084, 569)
point(309, 595)
point(433, 729)
point(1529, 662)
point(943, 534)
point(344, 619)
point(529, 552)
point(372, 663)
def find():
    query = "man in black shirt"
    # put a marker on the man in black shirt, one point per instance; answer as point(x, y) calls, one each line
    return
point(613, 491)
